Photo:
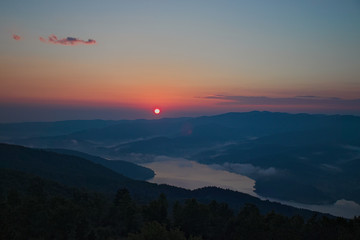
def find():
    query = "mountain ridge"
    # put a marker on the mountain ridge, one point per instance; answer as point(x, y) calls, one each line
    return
point(289, 143)
point(81, 173)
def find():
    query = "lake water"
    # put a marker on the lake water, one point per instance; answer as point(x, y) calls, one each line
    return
point(188, 174)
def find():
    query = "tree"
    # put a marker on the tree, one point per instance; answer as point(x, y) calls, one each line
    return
point(156, 210)
point(124, 215)
point(249, 223)
point(156, 231)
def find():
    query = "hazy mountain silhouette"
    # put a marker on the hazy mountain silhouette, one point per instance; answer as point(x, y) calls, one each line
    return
point(39, 129)
point(318, 154)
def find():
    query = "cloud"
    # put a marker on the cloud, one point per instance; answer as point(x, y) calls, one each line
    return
point(307, 96)
point(69, 41)
point(331, 168)
point(180, 162)
point(298, 100)
point(16, 37)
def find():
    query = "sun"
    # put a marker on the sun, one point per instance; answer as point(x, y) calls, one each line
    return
point(157, 111)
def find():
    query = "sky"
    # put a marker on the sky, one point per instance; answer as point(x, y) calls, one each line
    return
point(115, 59)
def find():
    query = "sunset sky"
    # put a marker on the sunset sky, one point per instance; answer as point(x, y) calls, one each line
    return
point(120, 59)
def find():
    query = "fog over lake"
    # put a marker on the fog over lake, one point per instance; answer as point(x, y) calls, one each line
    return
point(189, 174)
point(192, 175)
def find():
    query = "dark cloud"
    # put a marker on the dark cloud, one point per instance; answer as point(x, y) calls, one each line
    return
point(307, 96)
point(66, 41)
point(298, 100)
point(16, 37)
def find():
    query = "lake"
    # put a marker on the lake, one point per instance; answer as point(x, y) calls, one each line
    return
point(189, 174)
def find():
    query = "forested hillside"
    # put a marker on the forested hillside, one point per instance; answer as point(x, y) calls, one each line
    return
point(77, 172)
point(43, 209)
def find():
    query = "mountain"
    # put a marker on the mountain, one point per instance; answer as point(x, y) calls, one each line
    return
point(68, 170)
point(125, 168)
point(44, 129)
point(317, 154)
point(309, 173)
point(36, 208)
point(77, 172)
point(206, 131)
point(12, 180)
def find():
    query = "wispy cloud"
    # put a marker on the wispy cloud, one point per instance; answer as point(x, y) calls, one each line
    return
point(246, 169)
point(69, 41)
point(297, 100)
point(16, 37)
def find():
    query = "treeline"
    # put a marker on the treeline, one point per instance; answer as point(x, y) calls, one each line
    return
point(35, 215)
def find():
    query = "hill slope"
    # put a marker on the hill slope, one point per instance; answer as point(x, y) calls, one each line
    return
point(125, 168)
point(77, 172)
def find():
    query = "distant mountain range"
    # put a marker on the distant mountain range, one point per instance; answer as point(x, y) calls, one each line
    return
point(298, 157)
point(41, 129)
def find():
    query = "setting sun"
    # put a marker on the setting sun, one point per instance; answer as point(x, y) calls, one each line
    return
point(157, 111)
